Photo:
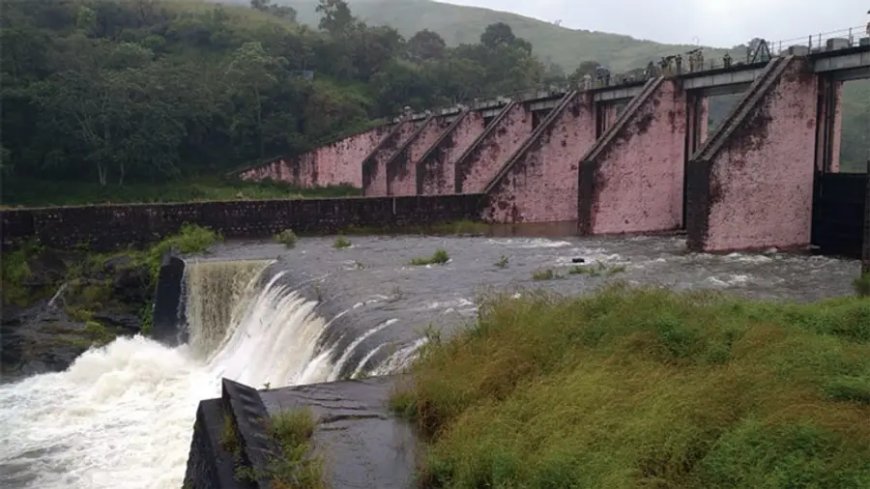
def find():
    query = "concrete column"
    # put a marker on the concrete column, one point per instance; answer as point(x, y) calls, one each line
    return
point(332, 164)
point(477, 167)
point(436, 170)
point(402, 167)
point(830, 127)
point(698, 117)
point(374, 167)
point(632, 180)
point(540, 181)
point(751, 185)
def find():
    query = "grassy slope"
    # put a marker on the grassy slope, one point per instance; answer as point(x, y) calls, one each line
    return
point(458, 24)
point(649, 389)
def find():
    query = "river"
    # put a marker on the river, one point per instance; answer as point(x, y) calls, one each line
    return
point(121, 416)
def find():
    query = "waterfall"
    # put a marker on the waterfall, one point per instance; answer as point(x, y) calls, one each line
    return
point(121, 415)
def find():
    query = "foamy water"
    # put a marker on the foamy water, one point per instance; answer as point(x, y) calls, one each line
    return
point(121, 416)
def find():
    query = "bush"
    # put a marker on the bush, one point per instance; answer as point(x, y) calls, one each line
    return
point(440, 257)
point(647, 388)
point(15, 272)
point(287, 237)
point(341, 243)
point(502, 262)
point(190, 239)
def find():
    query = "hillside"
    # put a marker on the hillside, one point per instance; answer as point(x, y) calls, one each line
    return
point(458, 24)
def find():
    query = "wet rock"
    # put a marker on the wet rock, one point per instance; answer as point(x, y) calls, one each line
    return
point(124, 322)
point(50, 333)
point(131, 285)
point(38, 340)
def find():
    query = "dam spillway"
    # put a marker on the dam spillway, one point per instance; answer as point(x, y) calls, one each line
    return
point(121, 416)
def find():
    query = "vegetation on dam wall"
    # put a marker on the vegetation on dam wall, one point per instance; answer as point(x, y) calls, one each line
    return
point(647, 388)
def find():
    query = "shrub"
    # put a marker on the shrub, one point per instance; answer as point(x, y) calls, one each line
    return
point(190, 239)
point(287, 237)
point(296, 468)
point(543, 275)
point(502, 262)
point(440, 257)
point(341, 242)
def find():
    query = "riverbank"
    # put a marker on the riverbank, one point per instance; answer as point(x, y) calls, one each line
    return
point(59, 303)
point(647, 388)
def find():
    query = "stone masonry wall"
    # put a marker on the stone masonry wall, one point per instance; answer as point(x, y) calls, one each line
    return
point(635, 184)
point(112, 226)
point(374, 168)
point(475, 171)
point(436, 174)
point(542, 185)
point(333, 164)
point(402, 169)
point(757, 191)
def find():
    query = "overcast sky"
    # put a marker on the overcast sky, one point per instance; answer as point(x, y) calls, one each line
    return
point(721, 23)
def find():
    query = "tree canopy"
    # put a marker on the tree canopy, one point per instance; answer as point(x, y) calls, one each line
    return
point(150, 90)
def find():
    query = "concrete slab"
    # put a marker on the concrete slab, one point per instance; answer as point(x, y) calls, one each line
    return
point(364, 445)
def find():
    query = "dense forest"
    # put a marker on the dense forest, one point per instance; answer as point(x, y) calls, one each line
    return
point(99, 94)
point(147, 90)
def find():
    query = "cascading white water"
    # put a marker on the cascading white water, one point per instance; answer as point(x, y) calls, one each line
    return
point(121, 416)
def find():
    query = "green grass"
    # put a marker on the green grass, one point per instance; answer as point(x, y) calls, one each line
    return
point(647, 388)
point(598, 270)
point(37, 193)
point(296, 467)
point(862, 285)
point(544, 275)
point(440, 257)
point(287, 238)
point(341, 243)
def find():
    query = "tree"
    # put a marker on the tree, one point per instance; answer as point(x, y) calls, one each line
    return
point(335, 17)
point(498, 34)
point(426, 45)
point(372, 48)
point(250, 74)
point(282, 11)
point(586, 68)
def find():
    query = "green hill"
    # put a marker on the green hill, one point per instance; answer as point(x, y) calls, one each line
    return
point(459, 24)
